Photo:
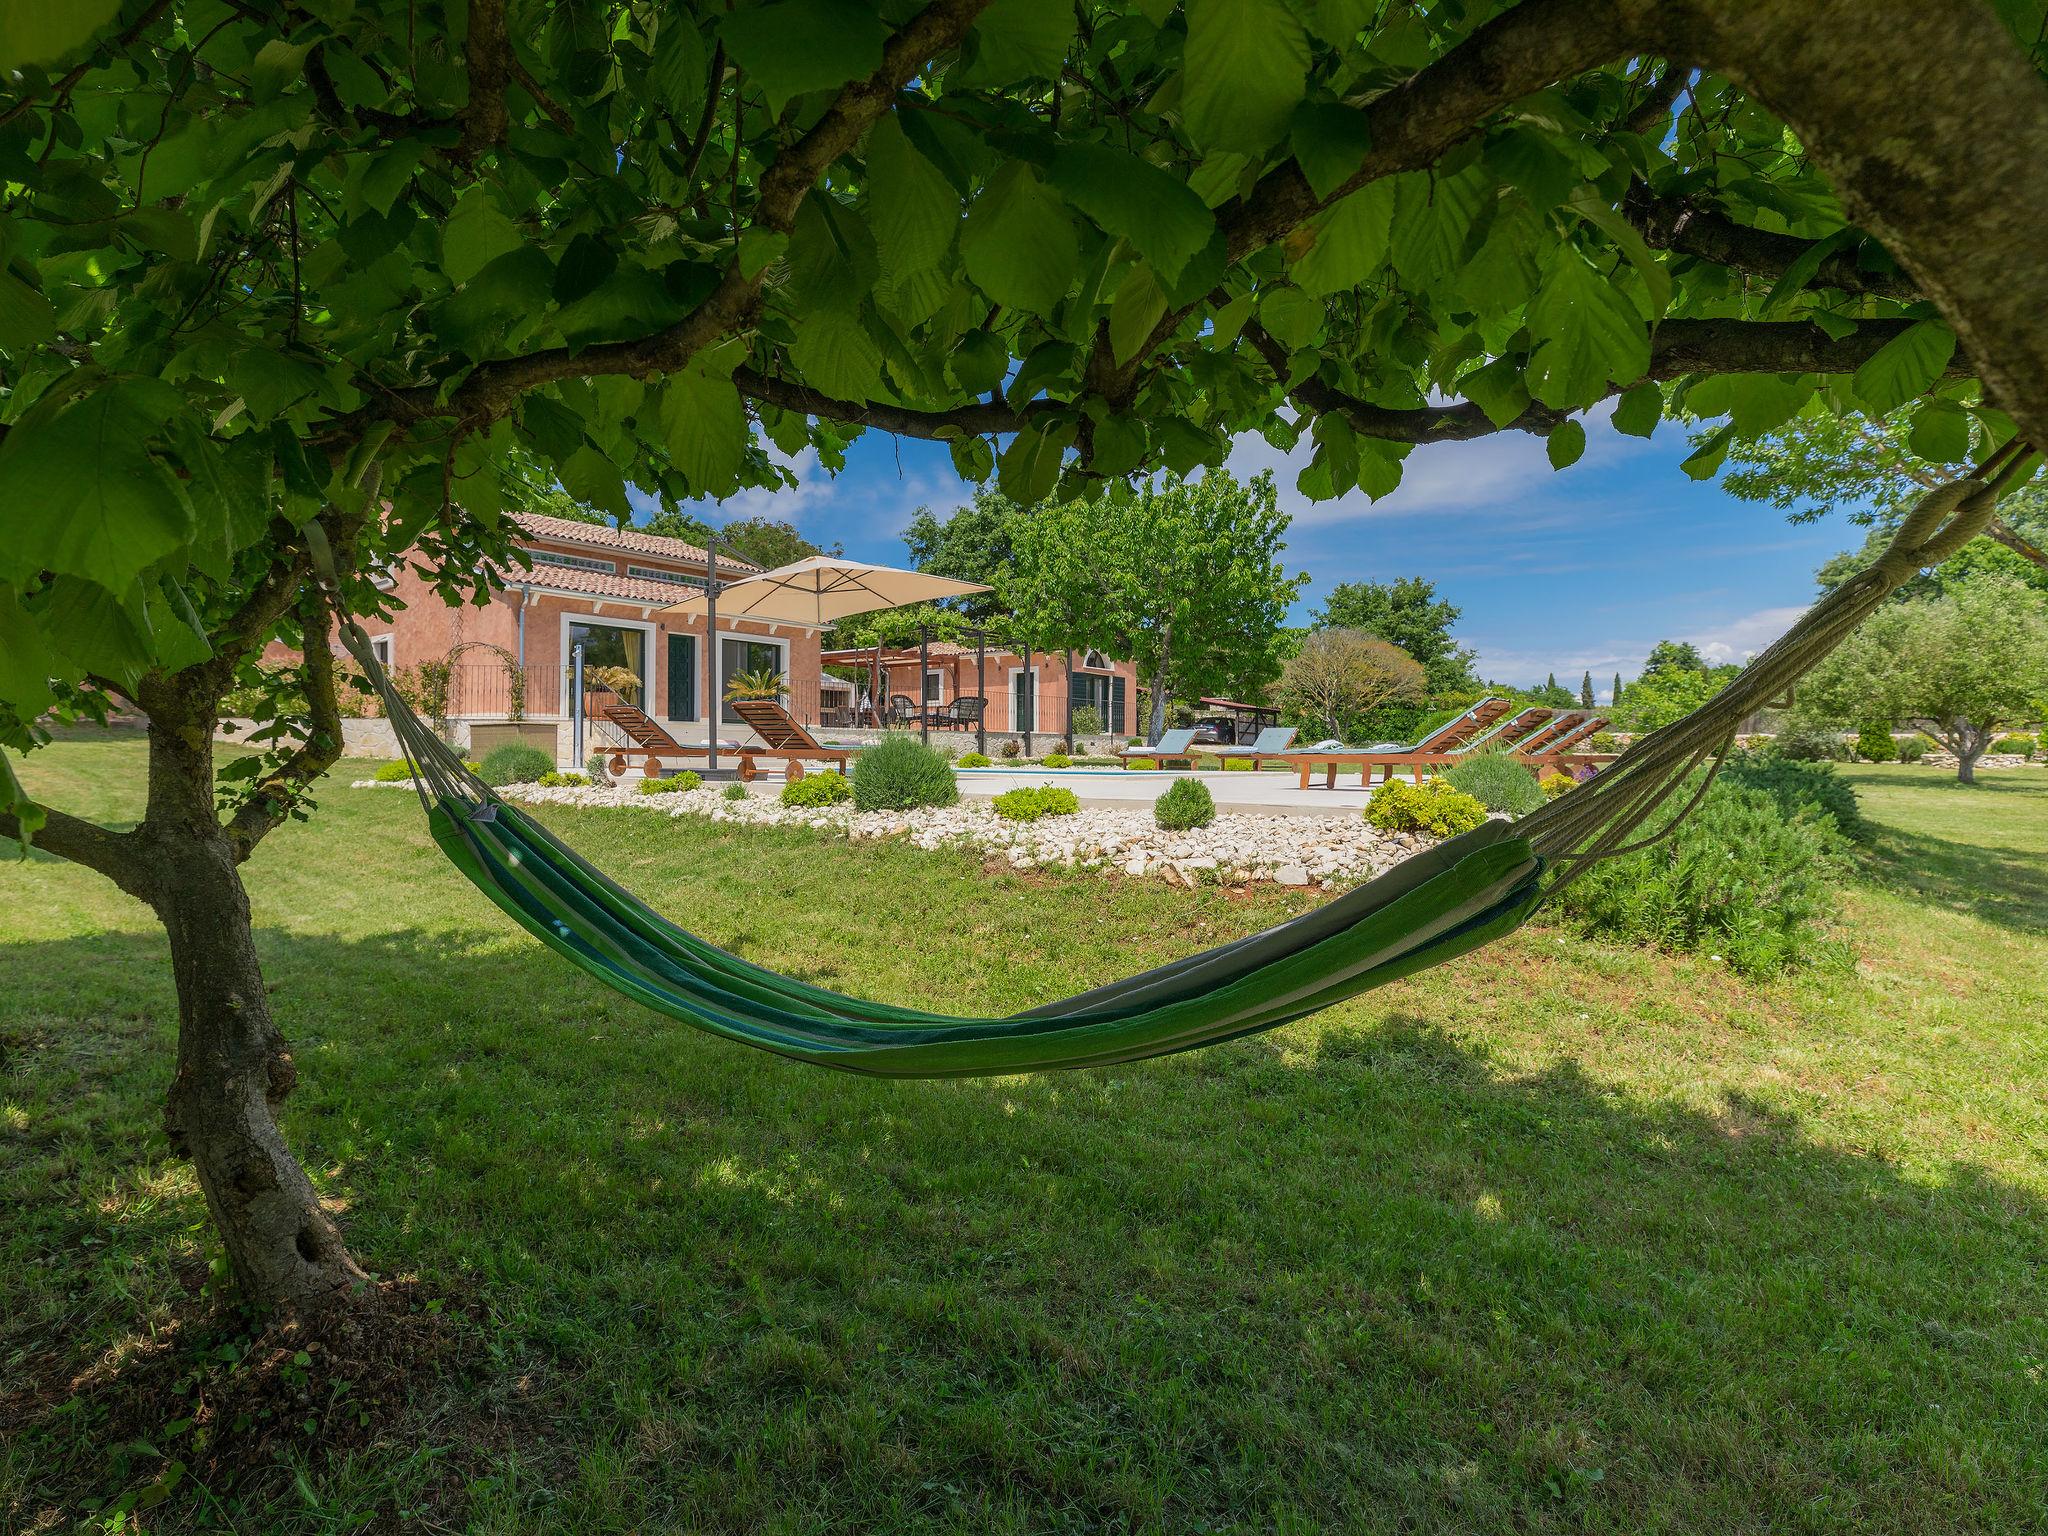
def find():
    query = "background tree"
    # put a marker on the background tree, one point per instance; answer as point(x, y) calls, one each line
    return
point(1340, 674)
point(1961, 665)
point(1586, 690)
point(273, 266)
point(766, 541)
point(1407, 613)
point(1614, 698)
point(1673, 656)
point(973, 544)
point(1184, 580)
point(1657, 698)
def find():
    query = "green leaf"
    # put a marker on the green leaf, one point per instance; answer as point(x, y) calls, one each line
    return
point(911, 206)
point(1165, 222)
point(1567, 440)
point(27, 319)
point(1904, 367)
point(586, 266)
point(1017, 40)
point(1639, 410)
point(1529, 162)
point(92, 630)
point(1588, 333)
point(1756, 402)
point(49, 31)
point(1433, 220)
point(1245, 63)
point(83, 494)
point(26, 664)
point(1119, 444)
point(1292, 316)
point(1940, 432)
point(837, 355)
point(1330, 142)
point(1586, 203)
point(972, 458)
point(1706, 459)
point(1801, 269)
point(1349, 241)
point(704, 423)
point(796, 46)
point(979, 362)
point(475, 235)
point(760, 247)
point(1030, 467)
point(595, 481)
point(1138, 306)
point(1019, 242)
point(1498, 390)
point(1379, 466)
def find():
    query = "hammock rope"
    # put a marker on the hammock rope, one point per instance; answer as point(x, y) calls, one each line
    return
point(1437, 905)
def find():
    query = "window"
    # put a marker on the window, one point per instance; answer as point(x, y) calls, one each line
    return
point(1095, 661)
point(612, 655)
point(934, 686)
point(1104, 695)
point(1024, 700)
point(753, 656)
point(574, 562)
point(654, 573)
point(380, 647)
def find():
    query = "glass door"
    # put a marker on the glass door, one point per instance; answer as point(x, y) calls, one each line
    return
point(751, 657)
point(613, 658)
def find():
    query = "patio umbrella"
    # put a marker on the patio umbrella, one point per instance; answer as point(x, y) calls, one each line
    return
point(821, 589)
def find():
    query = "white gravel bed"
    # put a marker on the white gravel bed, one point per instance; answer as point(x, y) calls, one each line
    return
point(1233, 849)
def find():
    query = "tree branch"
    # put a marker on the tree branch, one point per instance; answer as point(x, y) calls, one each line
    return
point(557, 113)
point(729, 309)
point(489, 53)
point(1680, 347)
point(87, 843)
point(976, 420)
point(2004, 533)
point(271, 801)
point(72, 76)
point(1676, 224)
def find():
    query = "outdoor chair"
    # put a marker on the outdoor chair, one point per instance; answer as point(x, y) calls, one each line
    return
point(902, 709)
point(1272, 742)
point(1174, 747)
point(963, 714)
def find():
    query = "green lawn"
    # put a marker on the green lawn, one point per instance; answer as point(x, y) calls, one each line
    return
point(1561, 1237)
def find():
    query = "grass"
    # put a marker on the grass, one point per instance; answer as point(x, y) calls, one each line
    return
point(1561, 1237)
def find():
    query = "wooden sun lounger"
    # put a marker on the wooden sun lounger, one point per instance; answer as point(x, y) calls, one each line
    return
point(658, 747)
point(1272, 745)
point(1174, 747)
point(1446, 744)
point(1575, 738)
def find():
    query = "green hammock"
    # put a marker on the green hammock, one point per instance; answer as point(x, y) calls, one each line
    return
point(1435, 906)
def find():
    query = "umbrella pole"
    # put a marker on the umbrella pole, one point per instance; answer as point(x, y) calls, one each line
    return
point(711, 628)
point(924, 662)
point(981, 691)
point(1070, 701)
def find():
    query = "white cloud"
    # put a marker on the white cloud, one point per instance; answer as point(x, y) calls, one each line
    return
point(1736, 639)
point(1741, 638)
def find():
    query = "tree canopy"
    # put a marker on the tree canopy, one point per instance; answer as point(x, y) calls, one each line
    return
point(1339, 676)
point(1959, 665)
point(268, 265)
point(1408, 613)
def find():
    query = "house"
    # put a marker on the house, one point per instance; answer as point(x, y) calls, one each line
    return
point(511, 662)
point(603, 588)
point(1019, 698)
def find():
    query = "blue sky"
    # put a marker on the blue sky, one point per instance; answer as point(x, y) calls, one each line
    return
point(1556, 571)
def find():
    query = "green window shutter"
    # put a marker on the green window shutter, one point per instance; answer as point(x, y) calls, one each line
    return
point(682, 677)
point(1116, 705)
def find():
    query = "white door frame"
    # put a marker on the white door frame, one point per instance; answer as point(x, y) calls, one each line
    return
point(647, 658)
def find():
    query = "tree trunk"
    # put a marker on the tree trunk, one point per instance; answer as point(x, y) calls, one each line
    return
point(1156, 727)
point(234, 1067)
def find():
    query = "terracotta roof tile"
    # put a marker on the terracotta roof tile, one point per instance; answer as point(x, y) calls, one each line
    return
point(604, 536)
point(562, 578)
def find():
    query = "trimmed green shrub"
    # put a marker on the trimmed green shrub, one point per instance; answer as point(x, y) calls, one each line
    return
point(393, 773)
point(2024, 745)
point(972, 760)
point(1055, 760)
point(681, 784)
point(1237, 765)
point(514, 763)
point(900, 773)
point(1874, 744)
point(826, 787)
point(1029, 803)
point(1604, 741)
point(1185, 806)
point(598, 767)
point(553, 780)
point(1497, 782)
point(1135, 763)
point(1808, 744)
point(1554, 784)
point(1088, 720)
point(1742, 879)
point(734, 792)
point(1435, 805)
point(1797, 785)
point(1913, 748)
